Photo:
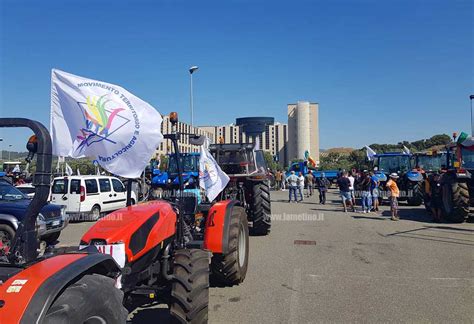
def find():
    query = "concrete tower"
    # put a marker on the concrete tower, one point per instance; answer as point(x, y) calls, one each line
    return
point(303, 130)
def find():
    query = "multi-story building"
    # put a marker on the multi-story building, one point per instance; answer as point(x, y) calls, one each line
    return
point(303, 130)
point(285, 142)
point(184, 145)
point(272, 137)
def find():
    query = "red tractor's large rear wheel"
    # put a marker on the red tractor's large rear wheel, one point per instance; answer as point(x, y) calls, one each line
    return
point(92, 299)
point(260, 209)
point(190, 289)
point(231, 268)
point(455, 200)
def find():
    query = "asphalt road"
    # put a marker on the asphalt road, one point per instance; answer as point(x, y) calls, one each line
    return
point(322, 265)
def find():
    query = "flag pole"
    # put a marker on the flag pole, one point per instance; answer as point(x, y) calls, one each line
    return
point(471, 97)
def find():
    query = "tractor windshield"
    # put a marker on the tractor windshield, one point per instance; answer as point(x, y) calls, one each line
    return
point(394, 163)
point(431, 162)
point(236, 162)
point(467, 158)
point(190, 163)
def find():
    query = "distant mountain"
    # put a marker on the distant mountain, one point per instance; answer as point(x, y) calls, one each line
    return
point(12, 156)
point(340, 150)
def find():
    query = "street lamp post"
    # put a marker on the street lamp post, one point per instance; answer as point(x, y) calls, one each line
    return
point(471, 97)
point(191, 71)
point(1, 151)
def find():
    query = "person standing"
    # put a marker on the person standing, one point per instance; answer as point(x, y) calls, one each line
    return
point(322, 183)
point(351, 188)
point(394, 194)
point(301, 185)
point(283, 180)
point(375, 190)
point(366, 195)
point(309, 179)
point(278, 180)
point(344, 184)
point(292, 181)
point(435, 197)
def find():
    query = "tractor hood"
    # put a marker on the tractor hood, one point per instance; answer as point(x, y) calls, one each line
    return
point(381, 176)
point(140, 227)
point(414, 176)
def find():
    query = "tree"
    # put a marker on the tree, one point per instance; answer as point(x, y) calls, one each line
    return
point(270, 161)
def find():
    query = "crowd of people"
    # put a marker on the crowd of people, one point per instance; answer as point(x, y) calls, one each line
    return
point(297, 184)
point(363, 185)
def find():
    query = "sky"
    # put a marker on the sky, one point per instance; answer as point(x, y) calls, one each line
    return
point(381, 71)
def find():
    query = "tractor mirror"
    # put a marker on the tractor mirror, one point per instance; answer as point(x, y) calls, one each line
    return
point(197, 140)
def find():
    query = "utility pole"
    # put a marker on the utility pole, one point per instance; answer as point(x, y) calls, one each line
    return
point(191, 71)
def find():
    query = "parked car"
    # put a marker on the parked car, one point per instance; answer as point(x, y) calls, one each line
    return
point(87, 197)
point(13, 204)
point(27, 188)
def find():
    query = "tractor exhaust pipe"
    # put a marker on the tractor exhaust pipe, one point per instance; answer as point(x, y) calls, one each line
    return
point(25, 243)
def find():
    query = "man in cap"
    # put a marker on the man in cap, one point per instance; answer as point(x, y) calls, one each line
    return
point(322, 183)
point(292, 185)
point(394, 194)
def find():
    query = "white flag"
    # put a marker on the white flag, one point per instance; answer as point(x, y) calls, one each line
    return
point(211, 177)
point(370, 153)
point(68, 170)
point(104, 122)
point(406, 150)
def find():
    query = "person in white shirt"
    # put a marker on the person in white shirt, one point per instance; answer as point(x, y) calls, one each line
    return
point(301, 185)
point(292, 186)
point(351, 187)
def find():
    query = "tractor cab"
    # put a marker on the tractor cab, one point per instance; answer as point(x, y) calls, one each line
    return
point(431, 161)
point(460, 158)
point(190, 171)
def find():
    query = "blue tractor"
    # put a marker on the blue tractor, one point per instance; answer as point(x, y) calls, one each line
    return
point(303, 167)
point(298, 167)
point(169, 178)
point(410, 181)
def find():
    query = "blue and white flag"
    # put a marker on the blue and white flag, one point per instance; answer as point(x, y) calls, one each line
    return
point(406, 150)
point(370, 153)
point(211, 177)
point(68, 170)
point(104, 122)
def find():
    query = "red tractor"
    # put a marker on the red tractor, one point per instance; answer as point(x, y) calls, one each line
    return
point(156, 252)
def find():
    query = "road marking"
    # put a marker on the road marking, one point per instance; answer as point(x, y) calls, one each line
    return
point(451, 279)
point(296, 285)
point(304, 242)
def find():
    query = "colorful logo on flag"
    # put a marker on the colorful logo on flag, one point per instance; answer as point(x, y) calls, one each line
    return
point(102, 119)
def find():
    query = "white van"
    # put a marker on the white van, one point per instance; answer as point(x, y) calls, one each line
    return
point(88, 196)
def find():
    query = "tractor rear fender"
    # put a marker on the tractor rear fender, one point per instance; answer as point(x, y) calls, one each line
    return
point(27, 296)
point(216, 237)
